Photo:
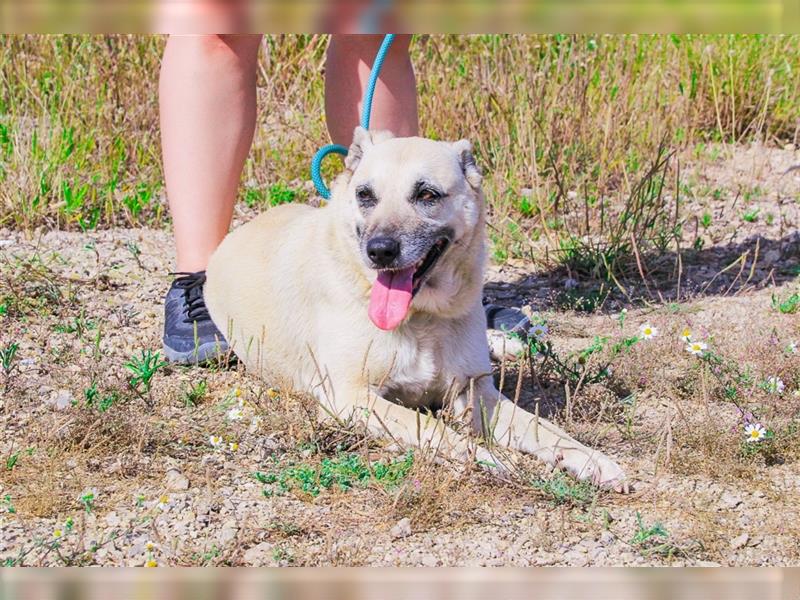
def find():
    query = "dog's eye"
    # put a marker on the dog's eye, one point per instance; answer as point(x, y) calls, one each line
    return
point(365, 196)
point(428, 195)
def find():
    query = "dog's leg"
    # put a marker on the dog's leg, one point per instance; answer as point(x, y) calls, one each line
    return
point(404, 426)
point(498, 419)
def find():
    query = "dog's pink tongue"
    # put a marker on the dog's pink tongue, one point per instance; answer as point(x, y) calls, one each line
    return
point(391, 297)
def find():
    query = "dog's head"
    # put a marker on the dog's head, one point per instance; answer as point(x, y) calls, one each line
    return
point(415, 211)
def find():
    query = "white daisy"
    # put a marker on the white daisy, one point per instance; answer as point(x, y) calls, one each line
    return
point(163, 502)
point(215, 440)
point(755, 432)
point(686, 335)
point(648, 332)
point(696, 348)
point(775, 385)
point(234, 414)
point(538, 331)
point(233, 446)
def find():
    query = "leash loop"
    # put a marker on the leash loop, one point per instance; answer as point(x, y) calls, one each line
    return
point(366, 113)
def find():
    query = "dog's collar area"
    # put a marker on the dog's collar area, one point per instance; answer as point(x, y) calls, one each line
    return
point(431, 258)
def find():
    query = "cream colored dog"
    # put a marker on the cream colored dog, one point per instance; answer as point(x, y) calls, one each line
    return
point(373, 304)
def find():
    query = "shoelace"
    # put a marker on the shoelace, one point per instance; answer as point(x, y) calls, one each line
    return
point(192, 286)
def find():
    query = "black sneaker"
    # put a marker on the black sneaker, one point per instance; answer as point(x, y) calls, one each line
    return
point(508, 320)
point(190, 336)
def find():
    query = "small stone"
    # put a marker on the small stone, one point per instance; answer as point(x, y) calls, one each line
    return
point(112, 519)
point(597, 553)
point(176, 481)
point(228, 532)
point(202, 506)
point(771, 257)
point(402, 529)
point(729, 500)
point(258, 555)
point(576, 559)
point(429, 560)
point(740, 541)
point(63, 399)
point(606, 538)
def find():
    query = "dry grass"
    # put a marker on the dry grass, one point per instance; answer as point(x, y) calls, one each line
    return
point(577, 121)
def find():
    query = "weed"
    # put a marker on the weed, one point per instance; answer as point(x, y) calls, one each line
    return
point(11, 461)
point(751, 216)
point(194, 394)
point(87, 499)
point(208, 556)
point(280, 194)
point(8, 505)
point(143, 368)
point(79, 325)
point(653, 539)
point(8, 355)
point(281, 554)
point(644, 534)
point(575, 368)
point(94, 400)
point(564, 490)
point(787, 306)
point(345, 472)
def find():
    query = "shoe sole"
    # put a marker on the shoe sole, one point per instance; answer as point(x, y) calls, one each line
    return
point(203, 353)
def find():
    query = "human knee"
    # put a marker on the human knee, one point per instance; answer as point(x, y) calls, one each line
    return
point(222, 50)
point(364, 47)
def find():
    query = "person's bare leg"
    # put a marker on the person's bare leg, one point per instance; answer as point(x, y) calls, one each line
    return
point(207, 97)
point(347, 67)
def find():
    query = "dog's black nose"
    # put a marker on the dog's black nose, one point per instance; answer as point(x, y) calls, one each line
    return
point(383, 250)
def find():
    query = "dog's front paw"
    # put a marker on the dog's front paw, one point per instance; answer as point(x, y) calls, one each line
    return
point(590, 465)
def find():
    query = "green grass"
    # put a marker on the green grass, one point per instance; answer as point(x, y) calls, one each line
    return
point(143, 368)
point(585, 124)
point(343, 472)
point(7, 356)
point(561, 489)
point(787, 306)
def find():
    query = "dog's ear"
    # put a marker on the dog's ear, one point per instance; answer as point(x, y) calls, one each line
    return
point(471, 171)
point(362, 141)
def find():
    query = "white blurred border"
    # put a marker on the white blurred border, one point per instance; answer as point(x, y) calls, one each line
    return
point(391, 584)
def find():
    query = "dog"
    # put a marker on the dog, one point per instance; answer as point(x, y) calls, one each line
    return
point(372, 303)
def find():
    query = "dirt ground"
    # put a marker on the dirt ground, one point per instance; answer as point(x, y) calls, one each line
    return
point(80, 305)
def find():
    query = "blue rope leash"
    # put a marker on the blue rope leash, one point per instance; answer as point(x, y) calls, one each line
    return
point(366, 112)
